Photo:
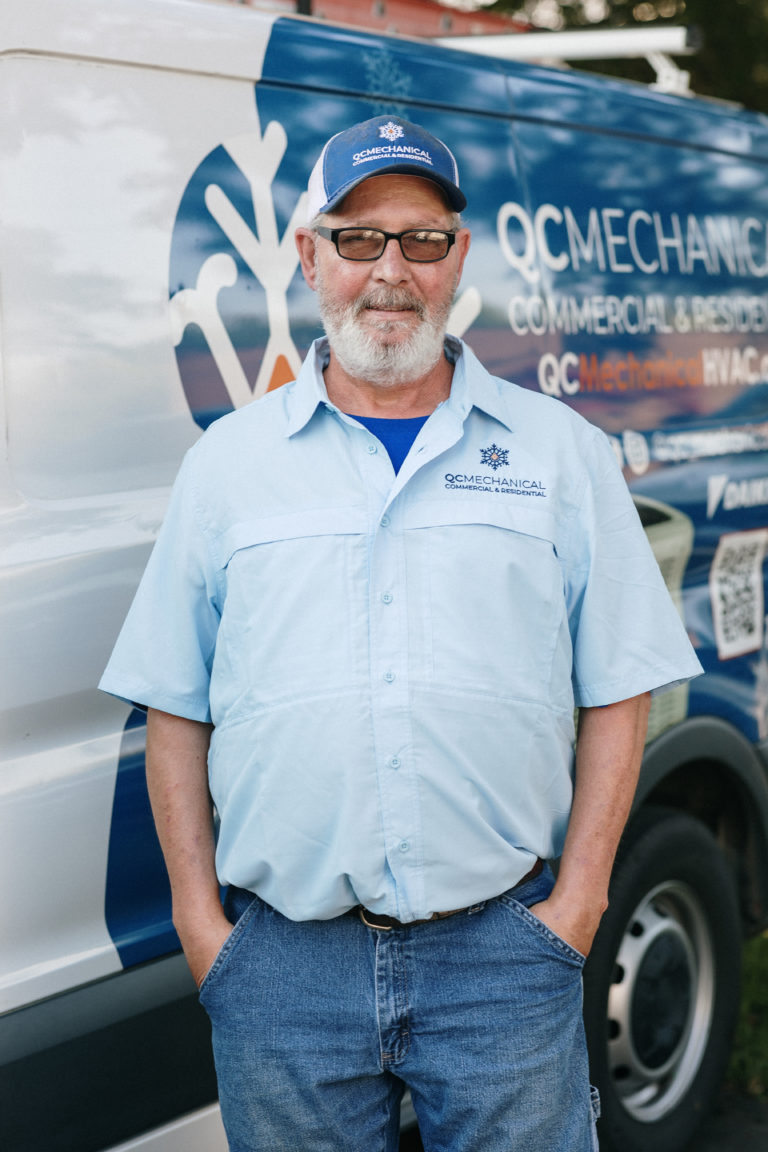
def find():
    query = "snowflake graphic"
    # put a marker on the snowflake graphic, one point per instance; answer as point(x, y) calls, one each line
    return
point(494, 456)
point(391, 131)
point(384, 74)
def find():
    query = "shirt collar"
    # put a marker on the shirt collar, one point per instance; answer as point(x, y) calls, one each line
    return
point(308, 391)
point(472, 386)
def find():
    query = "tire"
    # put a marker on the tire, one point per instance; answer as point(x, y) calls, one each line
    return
point(661, 986)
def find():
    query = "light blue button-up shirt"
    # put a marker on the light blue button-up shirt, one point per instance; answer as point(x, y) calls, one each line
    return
point(391, 662)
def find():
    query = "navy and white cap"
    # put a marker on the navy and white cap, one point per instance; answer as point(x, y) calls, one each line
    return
point(382, 146)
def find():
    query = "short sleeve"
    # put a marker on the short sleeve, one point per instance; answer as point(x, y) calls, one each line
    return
point(627, 634)
point(164, 653)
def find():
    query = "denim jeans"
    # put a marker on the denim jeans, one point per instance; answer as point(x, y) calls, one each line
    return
point(319, 1026)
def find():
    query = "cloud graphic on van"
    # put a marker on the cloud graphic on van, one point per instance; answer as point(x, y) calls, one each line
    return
point(230, 273)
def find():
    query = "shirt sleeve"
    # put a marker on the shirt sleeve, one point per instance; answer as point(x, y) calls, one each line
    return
point(627, 634)
point(164, 653)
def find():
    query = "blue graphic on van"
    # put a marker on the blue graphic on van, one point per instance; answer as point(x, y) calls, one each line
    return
point(138, 896)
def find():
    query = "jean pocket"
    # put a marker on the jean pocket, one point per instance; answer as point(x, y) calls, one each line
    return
point(594, 1100)
point(227, 948)
point(545, 934)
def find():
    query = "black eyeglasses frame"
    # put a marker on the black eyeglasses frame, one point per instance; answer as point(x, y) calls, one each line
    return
point(333, 234)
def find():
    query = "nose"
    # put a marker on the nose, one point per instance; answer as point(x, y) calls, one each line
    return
point(392, 267)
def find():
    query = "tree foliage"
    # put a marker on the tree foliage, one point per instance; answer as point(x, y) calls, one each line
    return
point(732, 63)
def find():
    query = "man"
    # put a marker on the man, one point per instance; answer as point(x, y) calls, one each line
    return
point(377, 596)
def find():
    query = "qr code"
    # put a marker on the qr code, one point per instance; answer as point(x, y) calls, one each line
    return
point(736, 592)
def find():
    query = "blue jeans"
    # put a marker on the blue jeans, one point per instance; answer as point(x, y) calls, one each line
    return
point(319, 1026)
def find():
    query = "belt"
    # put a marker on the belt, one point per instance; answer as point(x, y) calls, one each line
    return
point(387, 923)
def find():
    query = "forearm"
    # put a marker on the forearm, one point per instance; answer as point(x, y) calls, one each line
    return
point(609, 753)
point(177, 779)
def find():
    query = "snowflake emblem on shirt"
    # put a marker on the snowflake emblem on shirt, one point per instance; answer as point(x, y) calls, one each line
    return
point(391, 132)
point(494, 456)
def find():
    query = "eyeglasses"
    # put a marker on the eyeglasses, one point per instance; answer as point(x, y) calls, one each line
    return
point(421, 245)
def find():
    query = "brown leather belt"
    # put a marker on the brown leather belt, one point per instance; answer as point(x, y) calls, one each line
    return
point(387, 923)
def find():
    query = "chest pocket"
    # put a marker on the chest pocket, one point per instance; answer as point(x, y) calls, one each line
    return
point(490, 596)
point(289, 587)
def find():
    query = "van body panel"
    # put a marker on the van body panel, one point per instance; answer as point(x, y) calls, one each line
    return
point(388, 73)
point(87, 202)
point(600, 104)
point(167, 34)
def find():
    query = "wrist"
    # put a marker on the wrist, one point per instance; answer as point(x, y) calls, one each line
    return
point(198, 913)
point(578, 902)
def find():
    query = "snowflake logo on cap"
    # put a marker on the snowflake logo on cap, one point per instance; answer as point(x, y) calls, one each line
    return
point(391, 131)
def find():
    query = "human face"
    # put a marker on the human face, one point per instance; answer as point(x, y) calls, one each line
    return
point(386, 318)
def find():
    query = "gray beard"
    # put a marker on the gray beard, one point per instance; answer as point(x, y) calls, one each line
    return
point(369, 355)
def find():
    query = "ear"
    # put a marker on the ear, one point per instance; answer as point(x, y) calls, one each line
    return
point(305, 245)
point(463, 237)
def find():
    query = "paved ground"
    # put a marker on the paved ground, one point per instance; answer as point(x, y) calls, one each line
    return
point(738, 1124)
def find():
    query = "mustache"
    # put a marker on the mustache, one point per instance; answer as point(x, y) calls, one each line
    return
point(394, 299)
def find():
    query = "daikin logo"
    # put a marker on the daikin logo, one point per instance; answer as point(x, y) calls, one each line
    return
point(735, 494)
point(715, 488)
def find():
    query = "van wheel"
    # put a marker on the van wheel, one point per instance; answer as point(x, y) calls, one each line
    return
point(661, 987)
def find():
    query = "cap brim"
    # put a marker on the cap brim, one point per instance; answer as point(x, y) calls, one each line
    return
point(455, 197)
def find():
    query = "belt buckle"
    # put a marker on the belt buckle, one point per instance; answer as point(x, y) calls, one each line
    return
point(378, 927)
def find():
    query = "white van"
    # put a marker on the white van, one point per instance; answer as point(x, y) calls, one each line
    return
point(153, 155)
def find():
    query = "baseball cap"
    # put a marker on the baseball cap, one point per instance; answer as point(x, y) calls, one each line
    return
point(381, 146)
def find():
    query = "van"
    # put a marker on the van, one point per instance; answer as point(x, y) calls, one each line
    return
point(153, 157)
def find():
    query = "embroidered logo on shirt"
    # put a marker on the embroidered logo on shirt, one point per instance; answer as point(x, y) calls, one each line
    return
point(494, 456)
point(502, 485)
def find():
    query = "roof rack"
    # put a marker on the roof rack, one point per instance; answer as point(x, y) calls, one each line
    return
point(657, 45)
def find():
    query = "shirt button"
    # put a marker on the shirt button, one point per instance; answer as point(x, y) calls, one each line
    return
point(372, 449)
point(394, 761)
point(389, 677)
point(404, 846)
point(384, 522)
point(387, 597)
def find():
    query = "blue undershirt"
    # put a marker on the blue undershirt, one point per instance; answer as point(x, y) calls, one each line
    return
point(397, 436)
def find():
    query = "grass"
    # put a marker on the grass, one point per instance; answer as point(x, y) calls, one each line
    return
point(748, 1070)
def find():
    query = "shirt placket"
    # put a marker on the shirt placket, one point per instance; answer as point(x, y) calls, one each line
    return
point(388, 677)
point(396, 774)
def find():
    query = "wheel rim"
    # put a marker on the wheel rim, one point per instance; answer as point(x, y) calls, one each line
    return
point(661, 1001)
